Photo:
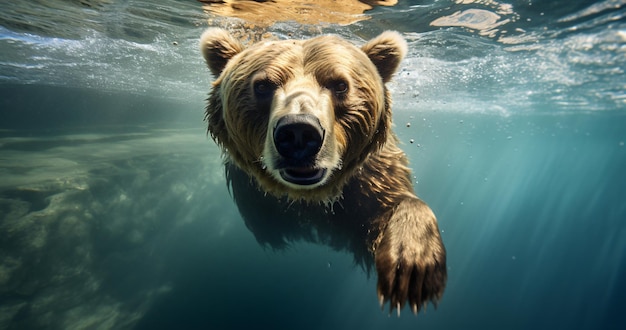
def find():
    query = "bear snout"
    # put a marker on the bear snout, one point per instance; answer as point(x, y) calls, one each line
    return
point(298, 138)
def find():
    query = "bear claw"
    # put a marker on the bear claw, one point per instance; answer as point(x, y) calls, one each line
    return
point(410, 259)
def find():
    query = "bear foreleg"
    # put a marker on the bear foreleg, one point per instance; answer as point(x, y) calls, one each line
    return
point(410, 258)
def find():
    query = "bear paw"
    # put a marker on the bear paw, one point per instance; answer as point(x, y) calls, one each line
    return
point(410, 258)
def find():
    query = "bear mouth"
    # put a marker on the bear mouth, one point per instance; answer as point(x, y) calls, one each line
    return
point(303, 176)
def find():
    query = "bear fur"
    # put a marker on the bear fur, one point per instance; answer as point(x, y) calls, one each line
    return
point(305, 126)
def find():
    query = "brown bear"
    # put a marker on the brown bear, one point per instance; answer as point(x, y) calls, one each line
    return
point(305, 126)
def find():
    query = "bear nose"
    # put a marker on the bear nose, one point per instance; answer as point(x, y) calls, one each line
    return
point(298, 136)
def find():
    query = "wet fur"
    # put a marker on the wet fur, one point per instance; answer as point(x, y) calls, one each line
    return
point(368, 205)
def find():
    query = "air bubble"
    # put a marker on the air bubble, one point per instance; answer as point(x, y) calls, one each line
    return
point(262, 161)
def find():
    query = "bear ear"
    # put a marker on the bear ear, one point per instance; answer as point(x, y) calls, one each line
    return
point(386, 51)
point(218, 47)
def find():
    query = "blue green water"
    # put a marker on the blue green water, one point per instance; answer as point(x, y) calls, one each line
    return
point(114, 210)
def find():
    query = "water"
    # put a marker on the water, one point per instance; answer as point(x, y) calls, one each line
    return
point(115, 213)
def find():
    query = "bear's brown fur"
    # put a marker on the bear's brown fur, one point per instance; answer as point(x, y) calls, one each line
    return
point(305, 126)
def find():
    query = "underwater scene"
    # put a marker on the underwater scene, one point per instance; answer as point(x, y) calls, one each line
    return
point(115, 208)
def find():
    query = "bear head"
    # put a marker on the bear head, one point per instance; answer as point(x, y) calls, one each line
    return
point(300, 116)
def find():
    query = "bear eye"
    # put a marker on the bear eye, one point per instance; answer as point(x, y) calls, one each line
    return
point(339, 87)
point(264, 89)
